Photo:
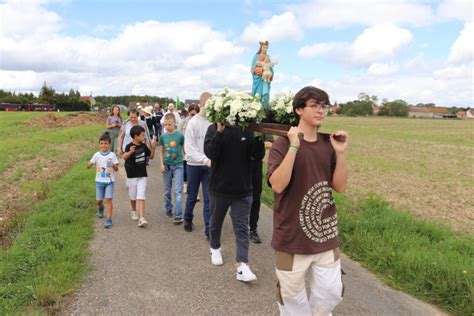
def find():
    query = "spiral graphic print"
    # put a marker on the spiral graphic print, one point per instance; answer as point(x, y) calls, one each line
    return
point(314, 203)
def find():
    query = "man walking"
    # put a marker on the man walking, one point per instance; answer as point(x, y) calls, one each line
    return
point(231, 150)
point(198, 165)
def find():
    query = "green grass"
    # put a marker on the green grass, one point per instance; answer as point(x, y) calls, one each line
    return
point(21, 142)
point(426, 260)
point(25, 150)
point(422, 165)
point(49, 258)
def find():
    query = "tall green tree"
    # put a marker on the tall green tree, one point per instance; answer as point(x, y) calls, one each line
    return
point(46, 94)
point(399, 108)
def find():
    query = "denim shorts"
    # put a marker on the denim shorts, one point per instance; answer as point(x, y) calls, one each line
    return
point(104, 190)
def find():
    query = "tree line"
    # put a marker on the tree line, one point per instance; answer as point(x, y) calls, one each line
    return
point(47, 95)
point(364, 106)
point(71, 101)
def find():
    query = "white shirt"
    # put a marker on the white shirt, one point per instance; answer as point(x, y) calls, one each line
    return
point(104, 172)
point(127, 126)
point(194, 141)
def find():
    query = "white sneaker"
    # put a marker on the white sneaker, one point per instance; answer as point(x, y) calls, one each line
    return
point(142, 222)
point(244, 273)
point(134, 215)
point(216, 257)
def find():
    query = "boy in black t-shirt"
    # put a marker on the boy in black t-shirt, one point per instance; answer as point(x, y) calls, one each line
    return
point(135, 164)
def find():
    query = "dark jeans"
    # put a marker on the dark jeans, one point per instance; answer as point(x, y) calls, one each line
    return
point(158, 131)
point(197, 175)
point(257, 192)
point(185, 173)
point(239, 213)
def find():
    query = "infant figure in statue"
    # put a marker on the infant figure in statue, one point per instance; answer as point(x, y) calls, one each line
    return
point(267, 66)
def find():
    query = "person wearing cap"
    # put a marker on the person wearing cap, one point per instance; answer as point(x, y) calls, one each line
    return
point(157, 116)
point(148, 119)
point(141, 115)
point(171, 109)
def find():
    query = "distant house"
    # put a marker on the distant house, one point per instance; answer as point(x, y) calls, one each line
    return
point(90, 100)
point(429, 112)
point(334, 109)
point(461, 114)
point(376, 109)
point(470, 113)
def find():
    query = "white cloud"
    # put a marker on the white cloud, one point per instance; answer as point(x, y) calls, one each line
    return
point(321, 49)
point(463, 50)
point(374, 44)
point(344, 13)
point(454, 72)
point(30, 19)
point(455, 9)
point(380, 69)
point(378, 42)
point(212, 51)
point(152, 57)
point(277, 28)
point(411, 88)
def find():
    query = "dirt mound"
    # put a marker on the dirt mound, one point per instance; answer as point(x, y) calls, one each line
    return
point(51, 120)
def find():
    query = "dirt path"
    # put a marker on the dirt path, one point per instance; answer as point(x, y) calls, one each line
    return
point(164, 270)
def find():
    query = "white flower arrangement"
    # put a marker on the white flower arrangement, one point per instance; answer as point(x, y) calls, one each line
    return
point(282, 109)
point(234, 108)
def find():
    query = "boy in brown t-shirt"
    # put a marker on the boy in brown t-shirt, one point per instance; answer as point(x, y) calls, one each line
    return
point(303, 173)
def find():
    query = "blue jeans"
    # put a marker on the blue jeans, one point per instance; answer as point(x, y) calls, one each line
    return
point(197, 175)
point(104, 191)
point(173, 180)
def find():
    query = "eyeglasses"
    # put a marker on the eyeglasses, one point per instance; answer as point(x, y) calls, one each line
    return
point(319, 106)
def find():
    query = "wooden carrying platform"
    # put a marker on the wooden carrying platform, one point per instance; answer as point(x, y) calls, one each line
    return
point(280, 130)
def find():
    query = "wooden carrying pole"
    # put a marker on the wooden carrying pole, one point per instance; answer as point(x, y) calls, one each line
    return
point(280, 130)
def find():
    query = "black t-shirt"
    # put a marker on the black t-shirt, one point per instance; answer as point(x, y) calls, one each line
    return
point(231, 153)
point(135, 165)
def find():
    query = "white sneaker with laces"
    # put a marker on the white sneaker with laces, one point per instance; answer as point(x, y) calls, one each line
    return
point(134, 215)
point(142, 222)
point(216, 257)
point(244, 273)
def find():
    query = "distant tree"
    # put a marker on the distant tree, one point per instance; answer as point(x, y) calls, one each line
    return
point(399, 108)
point(46, 94)
point(427, 105)
point(357, 108)
point(363, 97)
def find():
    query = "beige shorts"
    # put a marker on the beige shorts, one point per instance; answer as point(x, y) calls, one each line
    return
point(136, 188)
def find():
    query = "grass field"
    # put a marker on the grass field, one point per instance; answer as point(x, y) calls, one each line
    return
point(45, 211)
point(30, 158)
point(423, 165)
point(408, 214)
point(49, 258)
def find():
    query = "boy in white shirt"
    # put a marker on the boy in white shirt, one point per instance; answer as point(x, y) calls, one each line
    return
point(106, 164)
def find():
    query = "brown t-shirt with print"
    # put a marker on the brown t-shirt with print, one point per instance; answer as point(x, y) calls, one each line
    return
point(304, 218)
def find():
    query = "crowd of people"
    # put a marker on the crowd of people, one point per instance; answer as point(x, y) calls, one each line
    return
point(225, 162)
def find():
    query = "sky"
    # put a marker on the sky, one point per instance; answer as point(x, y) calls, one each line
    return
point(418, 51)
